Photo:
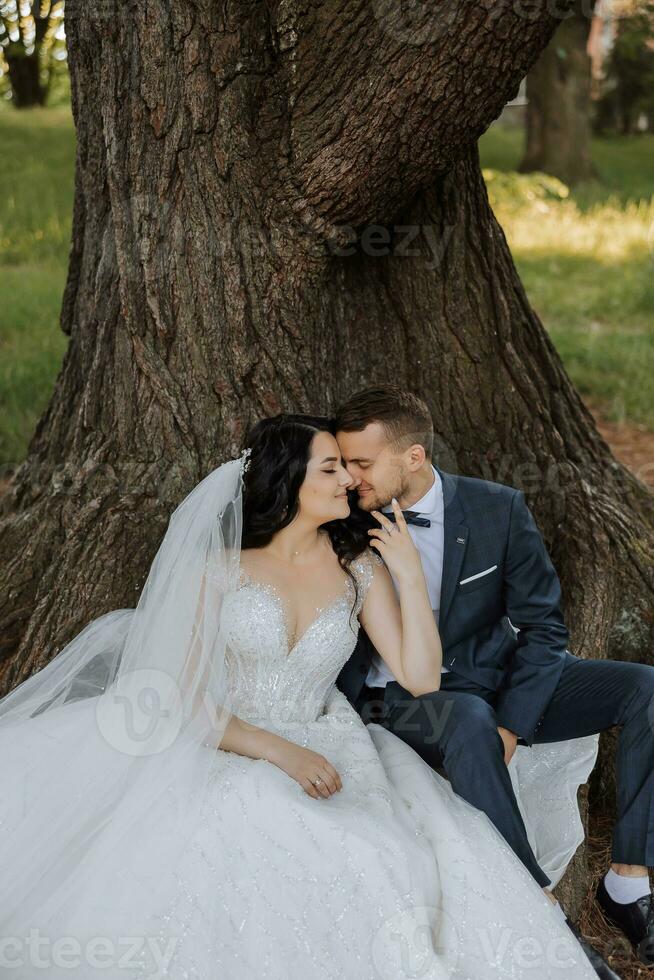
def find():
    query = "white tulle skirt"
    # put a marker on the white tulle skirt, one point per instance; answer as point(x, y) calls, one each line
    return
point(246, 876)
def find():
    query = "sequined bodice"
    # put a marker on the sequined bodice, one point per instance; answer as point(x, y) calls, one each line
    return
point(266, 679)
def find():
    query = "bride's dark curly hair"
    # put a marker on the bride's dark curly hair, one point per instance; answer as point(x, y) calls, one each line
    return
point(280, 450)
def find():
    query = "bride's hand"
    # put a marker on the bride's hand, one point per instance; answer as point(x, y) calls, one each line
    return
point(395, 545)
point(306, 766)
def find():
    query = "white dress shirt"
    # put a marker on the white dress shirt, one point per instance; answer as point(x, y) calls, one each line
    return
point(429, 542)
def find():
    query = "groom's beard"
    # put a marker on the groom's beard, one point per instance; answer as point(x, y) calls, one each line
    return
point(367, 502)
point(376, 501)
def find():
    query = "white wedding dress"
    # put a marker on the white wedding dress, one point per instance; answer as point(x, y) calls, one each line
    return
point(392, 877)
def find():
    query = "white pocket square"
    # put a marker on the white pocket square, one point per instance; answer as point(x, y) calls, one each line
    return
point(471, 578)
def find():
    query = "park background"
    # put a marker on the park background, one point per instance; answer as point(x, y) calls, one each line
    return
point(569, 169)
point(581, 230)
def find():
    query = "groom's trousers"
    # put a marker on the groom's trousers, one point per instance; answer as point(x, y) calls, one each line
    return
point(454, 729)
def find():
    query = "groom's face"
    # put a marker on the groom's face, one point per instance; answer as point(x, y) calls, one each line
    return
point(379, 474)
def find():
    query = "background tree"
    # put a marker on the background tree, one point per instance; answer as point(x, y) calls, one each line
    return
point(31, 44)
point(558, 119)
point(276, 204)
point(628, 83)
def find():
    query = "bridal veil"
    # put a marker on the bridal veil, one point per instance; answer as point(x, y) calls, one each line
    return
point(140, 703)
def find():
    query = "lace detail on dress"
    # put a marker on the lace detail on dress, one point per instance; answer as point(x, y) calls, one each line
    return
point(272, 681)
point(246, 579)
point(363, 568)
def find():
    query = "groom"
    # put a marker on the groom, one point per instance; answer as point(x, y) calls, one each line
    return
point(507, 674)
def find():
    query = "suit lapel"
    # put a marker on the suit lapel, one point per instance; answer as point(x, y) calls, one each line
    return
point(455, 540)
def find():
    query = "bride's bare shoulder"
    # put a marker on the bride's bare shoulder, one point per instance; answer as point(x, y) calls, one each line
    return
point(238, 562)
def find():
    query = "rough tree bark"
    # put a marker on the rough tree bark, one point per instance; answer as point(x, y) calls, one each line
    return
point(559, 105)
point(276, 204)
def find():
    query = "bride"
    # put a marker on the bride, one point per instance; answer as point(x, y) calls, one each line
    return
point(186, 793)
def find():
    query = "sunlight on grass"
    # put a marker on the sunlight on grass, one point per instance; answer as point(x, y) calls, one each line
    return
point(38, 150)
point(586, 258)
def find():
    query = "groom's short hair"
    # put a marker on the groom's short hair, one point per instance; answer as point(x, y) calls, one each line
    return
point(405, 417)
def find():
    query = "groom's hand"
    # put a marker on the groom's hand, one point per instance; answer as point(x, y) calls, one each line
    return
point(510, 740)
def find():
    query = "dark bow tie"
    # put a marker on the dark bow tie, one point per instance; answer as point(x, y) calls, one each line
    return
point(411, 517)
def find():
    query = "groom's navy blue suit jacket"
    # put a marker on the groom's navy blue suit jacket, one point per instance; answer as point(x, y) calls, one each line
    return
point(489, 532)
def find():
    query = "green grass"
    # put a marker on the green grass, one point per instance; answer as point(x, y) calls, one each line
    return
point(624, 164)
point(586, 258)
point(38, 152)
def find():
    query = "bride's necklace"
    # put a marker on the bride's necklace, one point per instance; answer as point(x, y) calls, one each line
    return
point(294, 554)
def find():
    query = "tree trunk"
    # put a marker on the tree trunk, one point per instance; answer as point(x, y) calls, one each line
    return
point(559, 105)
point(25, 76)
point(276, 204)
point(27, 88)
